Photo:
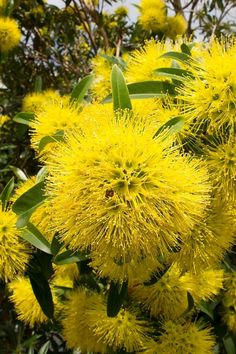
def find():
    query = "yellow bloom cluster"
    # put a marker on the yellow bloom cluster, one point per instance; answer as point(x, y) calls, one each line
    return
point(9, 34)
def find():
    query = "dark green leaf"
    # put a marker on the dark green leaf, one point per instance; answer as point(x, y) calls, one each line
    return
point(58, 136)
point(31, 341)
point(42, 293)
point(173, 73)
point(34, 236)
point(206, 308)
point(24, 117)
point(69, 257)
point(185, 49)
point(6, 193)
point(120, 93)
point(173, 126)
point(116, 296)
point(81, 89)
point(28, 202)
point(190, 304)
point(182, 57)
point(229, 345)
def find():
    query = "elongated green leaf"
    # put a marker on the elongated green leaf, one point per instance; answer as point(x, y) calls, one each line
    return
point(116, 296)
point(31, 341)
point(182, 57)
point(190, 304)
point(41, 174)
point(44, 349)
point(173, 126)
point(173, 73)
point(147, 89)
point(229, 345)
point(28, 202)
point(24, 117)
point(120, 93)
point(42, 293)
point(185, 49)
point(69, 257)
point(58, 136)
point(19, 173)
point(38, 84)
point(207, 309)
point(114, 60)
point(34, 236)
point(81, 89)
point(6, 193)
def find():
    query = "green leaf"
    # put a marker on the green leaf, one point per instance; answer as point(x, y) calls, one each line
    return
point(42, 173)
point(55, 245)
point(31, 341)
point(190, 304)
point(38, 84)
point(44, 349)
point(69, 257)
point(185, 49)
point(42, 293)
point(173, 126)
point(116, 296)
point(173, 73)
point(182, 57)
point(114, 60)
point(81, 89)
point(34, 236)
point(28, 202)
point(24, 117)
point(18, 172)
point(206, 308)
point(229, 345)
point(6, 193)
point(58, 136)
point(120, 93)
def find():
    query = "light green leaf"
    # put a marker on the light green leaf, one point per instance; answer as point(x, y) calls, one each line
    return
point(19, 173)
point(69, 257)
point(182, 57)
point(44, 349)
point(6, 193)
point(42, 173)
point(229, 345)
point(24, 117)
point(173, 126)
point(38, 84)
point(120, 93)
point(173, 73)
point(34, 236)
point(81, 89)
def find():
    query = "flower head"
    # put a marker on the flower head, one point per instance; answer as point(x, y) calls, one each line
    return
point(35, 102)
point(9, 34)
point(176, 26)
point(3, 119)
point(153, 15)
point(14, 253)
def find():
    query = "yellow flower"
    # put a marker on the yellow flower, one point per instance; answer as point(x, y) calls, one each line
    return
point(9, 34)
point(153, 15)
point(124, 331)
point(76, 329)
point(140, 194)
point(208, 284)
point(176, 26)
point(2, 5)
point(14, 253)
point(101, 86)
point(167, 297)
point(207, 244)
point(67, 271)
point(121, 11)
point(221, 160)
point(186, 338)
point(3, 119)
point(25, 302)
point(35, 102)
point(58, 116)
point(210, 95)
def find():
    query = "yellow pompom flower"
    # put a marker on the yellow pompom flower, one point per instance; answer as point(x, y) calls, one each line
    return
point(101, 85)
point(3, 119)
point(25, 302)
point(208, 284)
point(153, 15)
point(76, 329)
point(140, 194)
point(176, 26)
point(121, 11)
point(54, 117)
point(167, 297)
point(229, 301)
point(35, 102)
point(182, 339)
point(14, 253)
point(210, 95)
point(9, 34)
point(206, 245)
point(143, 61)
point(124, 331)
point(221, 160)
